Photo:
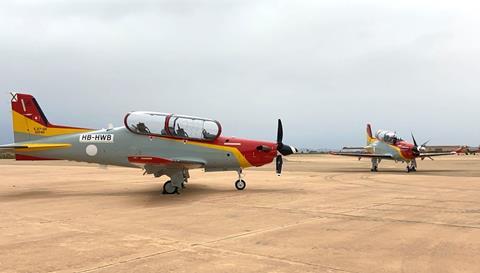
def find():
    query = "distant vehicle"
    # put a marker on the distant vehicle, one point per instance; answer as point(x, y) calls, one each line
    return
point(467, 150)
point(387, 145)
point(161, 144)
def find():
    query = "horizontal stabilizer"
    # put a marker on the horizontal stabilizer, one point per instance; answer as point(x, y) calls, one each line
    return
point(29, 147)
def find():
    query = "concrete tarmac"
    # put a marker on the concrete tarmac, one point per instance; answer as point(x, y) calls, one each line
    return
point(325, 214)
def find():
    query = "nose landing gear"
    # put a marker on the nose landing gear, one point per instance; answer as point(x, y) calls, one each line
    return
point(412, 167)
point(240, 184)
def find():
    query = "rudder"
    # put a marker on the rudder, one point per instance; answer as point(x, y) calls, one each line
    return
point(370, 137)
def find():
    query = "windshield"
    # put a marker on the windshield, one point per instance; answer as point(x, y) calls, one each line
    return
point(388, 137)
point(147, 123)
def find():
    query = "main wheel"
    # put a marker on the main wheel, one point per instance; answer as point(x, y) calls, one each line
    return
point(408, 169)
point(169, 188)
point(240, 184)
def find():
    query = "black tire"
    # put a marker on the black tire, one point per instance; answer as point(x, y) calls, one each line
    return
point(169, 188)
point(240, 184)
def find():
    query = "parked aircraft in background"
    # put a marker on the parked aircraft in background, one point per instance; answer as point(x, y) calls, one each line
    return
point(467, 150)
point(161, 144)
point(387, 145)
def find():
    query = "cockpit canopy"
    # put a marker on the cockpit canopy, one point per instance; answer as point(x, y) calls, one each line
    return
point(185, 127)
point(387, 136)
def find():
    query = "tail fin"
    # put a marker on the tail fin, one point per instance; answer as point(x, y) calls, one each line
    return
point(370, 137)
point(30, 123)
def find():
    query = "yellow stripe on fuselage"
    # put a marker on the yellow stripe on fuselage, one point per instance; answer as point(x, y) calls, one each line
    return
point(24, 125)
point(238, 155)
point(41, 147)
point(399, 151)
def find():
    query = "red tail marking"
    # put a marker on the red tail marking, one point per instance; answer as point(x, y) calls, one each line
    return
point(369, 131)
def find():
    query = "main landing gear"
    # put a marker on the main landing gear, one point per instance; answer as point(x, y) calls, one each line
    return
point(240, 184)
point(169, 188)
point(375, 162)
point(177, 182)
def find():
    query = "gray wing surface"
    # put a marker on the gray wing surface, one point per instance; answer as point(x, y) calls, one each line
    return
point(435, 154)
point(363, 154)
point(149, 162)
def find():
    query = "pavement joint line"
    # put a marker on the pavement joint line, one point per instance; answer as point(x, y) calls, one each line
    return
point(255, 232)
point(376, 180)
point(439, 209)
point(278, 259)
point(344, 214)
point(128, 260)
point(399, 220)
point(437, 200)
point(193, 245)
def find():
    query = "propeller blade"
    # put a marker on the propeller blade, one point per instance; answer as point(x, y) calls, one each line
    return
point(280, 132)
point(414, 141)
point(279, 164)
point(424, 144)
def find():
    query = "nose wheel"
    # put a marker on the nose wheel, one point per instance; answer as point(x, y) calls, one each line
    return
point(412, 167)
point(240, 184)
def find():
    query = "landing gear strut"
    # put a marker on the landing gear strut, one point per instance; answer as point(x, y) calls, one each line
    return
point(240, 184)
point(375, 162)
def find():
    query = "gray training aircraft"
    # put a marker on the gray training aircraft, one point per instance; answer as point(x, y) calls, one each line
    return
point(387, 145)
point(161, 144)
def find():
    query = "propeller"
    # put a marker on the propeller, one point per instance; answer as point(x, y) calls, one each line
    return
point(282, 149)
point(418, 149)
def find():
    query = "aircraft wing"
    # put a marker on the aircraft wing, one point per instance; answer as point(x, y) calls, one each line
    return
point(167, 163)
point(353, 148)
point(363, 154)
point(423, 155)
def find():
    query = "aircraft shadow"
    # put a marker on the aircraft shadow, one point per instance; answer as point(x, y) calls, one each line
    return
point(149, 196)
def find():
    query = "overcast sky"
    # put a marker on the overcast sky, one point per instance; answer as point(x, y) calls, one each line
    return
point(324, 67)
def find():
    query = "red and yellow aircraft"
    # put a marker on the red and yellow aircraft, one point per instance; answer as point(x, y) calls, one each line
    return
point(161, 144)
point(387, 145)
point(467, 150)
